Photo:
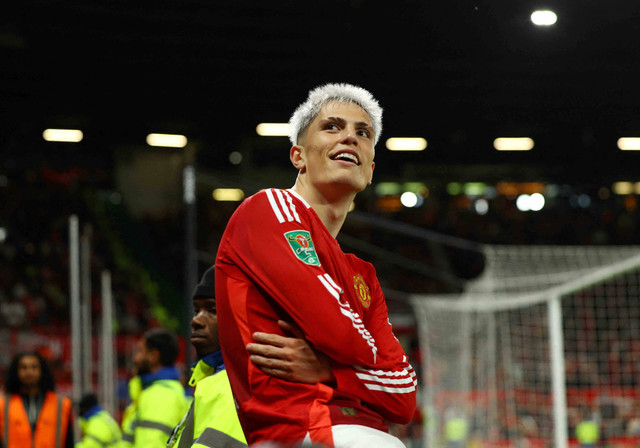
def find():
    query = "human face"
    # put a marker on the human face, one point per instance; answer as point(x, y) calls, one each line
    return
point(29, 371)
point(142, 358)
point(336, 154)
point(204, 326)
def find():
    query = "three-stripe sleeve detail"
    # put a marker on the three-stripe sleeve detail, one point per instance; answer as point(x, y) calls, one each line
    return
point(282, 206)
point(348, 312)
point(395, 382)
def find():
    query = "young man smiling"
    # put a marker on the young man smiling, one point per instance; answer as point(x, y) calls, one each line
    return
point(279, 261)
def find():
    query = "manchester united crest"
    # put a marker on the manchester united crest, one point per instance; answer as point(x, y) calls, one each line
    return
point(362, 290)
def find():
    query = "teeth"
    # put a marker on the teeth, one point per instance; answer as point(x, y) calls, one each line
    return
point(348, 156)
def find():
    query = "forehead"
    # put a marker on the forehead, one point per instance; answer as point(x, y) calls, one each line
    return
point(343, 109)
point(28, 361)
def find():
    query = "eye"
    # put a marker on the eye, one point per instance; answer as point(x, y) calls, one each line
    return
point(331, 126)
point(364, 133)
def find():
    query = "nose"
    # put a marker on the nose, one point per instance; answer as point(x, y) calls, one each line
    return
point(349, 136)
point(195, 321)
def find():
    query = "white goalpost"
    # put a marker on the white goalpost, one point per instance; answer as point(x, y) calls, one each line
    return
point(546, 337)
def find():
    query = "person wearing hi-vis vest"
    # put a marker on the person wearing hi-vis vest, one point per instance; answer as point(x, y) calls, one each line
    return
point(162, 402)
point(587, 433)
point(128, 422)
point(99, 429)
point(31, 413)
point(212, 420)
point(456, 429)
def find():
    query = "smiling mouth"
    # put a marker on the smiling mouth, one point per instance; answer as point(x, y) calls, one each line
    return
point(346, 157)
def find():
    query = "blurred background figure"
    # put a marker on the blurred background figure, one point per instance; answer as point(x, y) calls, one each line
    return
point(31, 413)
point(128, 421)
point(99, 429)
point(162, 402)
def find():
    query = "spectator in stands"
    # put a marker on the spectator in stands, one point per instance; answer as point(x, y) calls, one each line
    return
point(32, 414)
point(99, 429)
point(162, 401)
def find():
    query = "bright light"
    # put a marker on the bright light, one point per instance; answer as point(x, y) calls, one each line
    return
point(406, 144)
point(409, 199)
point(629, 143)
point(622, 188)
point(273, 129)
point(228, 194)
point(167, 140)
point(63, 135)
point(3, 234)
point(536, 202)
point(481, 206)
point(544, 18)
point(513, 144)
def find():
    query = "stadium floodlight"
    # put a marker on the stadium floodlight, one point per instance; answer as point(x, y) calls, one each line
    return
point(273, 129)
point(544, 18)
point(167, 140)
point(406, 144)
point(513, 144)
point(622, 188)
point(410, 199)
point(629, 143)
point(63, 135)
point(228, 194)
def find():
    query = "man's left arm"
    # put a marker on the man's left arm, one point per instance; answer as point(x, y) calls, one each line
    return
point(391, 387)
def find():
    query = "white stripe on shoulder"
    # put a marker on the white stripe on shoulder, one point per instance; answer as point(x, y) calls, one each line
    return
point(292, 206)
point(274, 205)
point(285, 207)
point(293, 192)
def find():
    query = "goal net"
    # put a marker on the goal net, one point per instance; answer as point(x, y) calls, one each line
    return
point(545, 338)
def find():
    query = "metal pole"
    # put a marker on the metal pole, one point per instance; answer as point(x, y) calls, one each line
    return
point(74, 297)
point(107, 364)
point(85, 309)
point(191, 261)
point(556, 345)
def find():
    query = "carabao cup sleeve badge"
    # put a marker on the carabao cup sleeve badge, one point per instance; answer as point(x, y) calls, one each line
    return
point(302, 246)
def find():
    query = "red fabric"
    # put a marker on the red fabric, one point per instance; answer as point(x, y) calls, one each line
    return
point(339, 306)
point(20, 434)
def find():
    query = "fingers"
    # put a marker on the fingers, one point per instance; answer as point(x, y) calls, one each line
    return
point(270, 338)
point(292, 328)
point(270, 366)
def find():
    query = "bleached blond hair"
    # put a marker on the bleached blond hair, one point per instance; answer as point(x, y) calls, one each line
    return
point(306, 112)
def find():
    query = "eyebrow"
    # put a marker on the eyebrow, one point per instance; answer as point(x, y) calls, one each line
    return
point(359, 124)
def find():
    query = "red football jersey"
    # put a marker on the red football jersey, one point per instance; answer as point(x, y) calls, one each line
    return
point(276, 260)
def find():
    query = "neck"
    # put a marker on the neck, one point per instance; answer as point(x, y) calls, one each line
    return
point(30, 390)
point(332, 209)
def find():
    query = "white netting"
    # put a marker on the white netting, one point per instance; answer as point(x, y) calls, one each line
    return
point(490, 353)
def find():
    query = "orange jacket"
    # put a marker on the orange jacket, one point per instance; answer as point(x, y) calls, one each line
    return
point(51, 427)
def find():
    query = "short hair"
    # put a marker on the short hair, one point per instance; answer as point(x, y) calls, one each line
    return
point(87, 402)
point(165, 341)
point(47, 383)
point(306, 112)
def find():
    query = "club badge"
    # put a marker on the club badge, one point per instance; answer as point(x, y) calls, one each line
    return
point(362, 290)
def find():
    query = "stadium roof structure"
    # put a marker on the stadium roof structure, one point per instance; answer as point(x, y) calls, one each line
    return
point(457, 73)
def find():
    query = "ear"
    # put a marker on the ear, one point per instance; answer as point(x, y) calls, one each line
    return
point(373, 166)
point(296, 155)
